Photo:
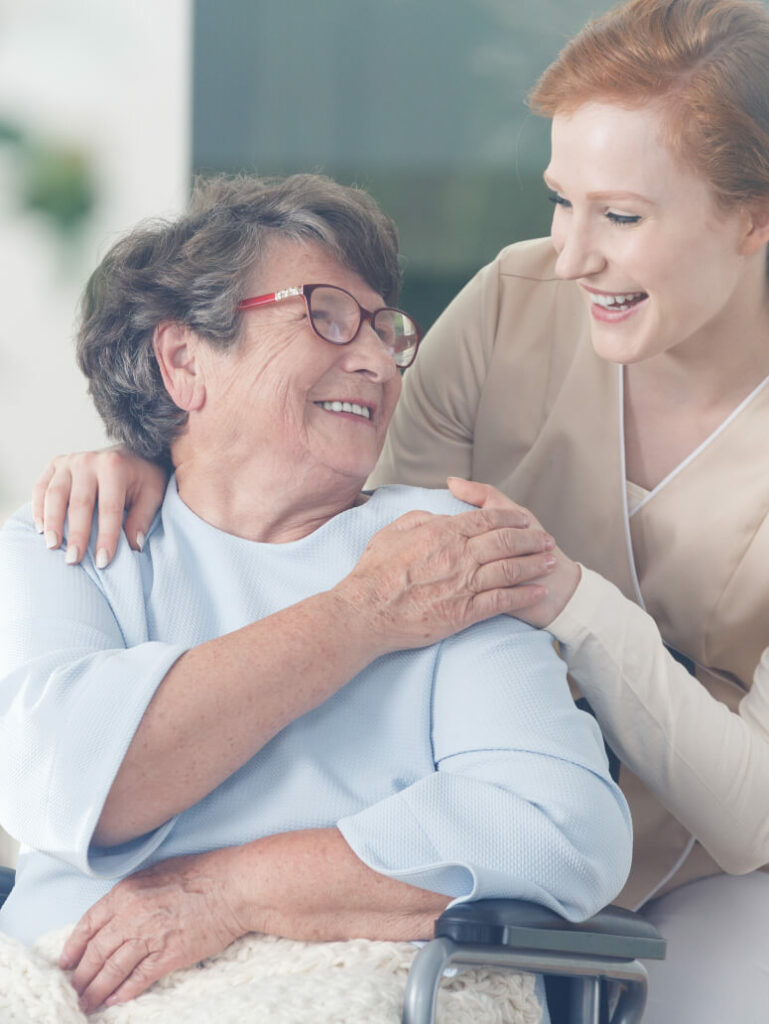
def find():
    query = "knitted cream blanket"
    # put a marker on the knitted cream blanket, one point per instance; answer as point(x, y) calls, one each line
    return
point(261, 979)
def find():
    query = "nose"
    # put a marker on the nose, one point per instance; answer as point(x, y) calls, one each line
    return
point(367, 354)
point(578, 253)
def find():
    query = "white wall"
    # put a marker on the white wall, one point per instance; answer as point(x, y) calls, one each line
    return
point(112, 78)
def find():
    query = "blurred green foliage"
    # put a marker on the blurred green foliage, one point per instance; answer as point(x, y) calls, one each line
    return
point(52, 179)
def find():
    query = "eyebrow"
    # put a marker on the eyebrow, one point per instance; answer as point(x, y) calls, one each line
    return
point(608, 194)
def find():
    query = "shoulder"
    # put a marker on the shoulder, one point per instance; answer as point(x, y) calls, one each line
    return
point(526, 273)
point(387, 503)
point(18, 535)
point(533, 260)
point(517, 295)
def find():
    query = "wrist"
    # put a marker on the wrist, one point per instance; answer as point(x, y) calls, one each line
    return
point(564, 585)
point(239, 886)
point(354, 605)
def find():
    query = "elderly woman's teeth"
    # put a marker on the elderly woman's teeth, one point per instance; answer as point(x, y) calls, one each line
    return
point(358, 410)
point(616, 301)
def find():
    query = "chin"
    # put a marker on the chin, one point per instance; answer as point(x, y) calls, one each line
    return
point(622, 351)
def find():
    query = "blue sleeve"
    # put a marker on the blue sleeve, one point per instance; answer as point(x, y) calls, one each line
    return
point(71, 698)
point(521, 803)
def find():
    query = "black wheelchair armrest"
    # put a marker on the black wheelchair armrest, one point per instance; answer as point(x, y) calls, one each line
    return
point(612, 932)
point(523, 936)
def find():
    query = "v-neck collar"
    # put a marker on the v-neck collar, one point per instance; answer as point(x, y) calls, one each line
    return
point(703, 446)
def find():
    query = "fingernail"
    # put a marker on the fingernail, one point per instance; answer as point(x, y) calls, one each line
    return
point(64, 962)
point(72, 553)
point(140, 539)
point(39, 525)
point(550, 562)
point(84, 1004)
point(51, 540)
point(102, 558)
point(549, 543)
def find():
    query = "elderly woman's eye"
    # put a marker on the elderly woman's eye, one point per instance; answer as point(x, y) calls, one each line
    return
point(386, 334)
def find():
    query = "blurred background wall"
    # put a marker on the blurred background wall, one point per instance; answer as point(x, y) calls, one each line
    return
point(94, 134)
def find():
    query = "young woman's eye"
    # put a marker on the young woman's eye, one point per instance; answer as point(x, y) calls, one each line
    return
point(622, 218)
point(559, 200)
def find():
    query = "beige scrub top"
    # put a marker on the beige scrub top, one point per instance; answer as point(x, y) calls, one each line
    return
point(508, 390)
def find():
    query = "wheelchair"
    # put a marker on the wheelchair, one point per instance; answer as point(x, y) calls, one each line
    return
point(590, 957)
point(587, 965)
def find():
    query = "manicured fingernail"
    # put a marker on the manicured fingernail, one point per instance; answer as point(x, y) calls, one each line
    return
point(72, 553)
point(39, 525)
point(140, 539)
point(102, 558)
point(51, 540)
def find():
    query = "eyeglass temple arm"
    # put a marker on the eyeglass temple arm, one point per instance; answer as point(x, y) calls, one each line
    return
point(265, 300)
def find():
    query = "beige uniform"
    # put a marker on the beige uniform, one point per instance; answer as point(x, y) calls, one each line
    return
point(508, 390)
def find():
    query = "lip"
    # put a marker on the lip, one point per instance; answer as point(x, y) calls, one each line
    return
point(613, 316)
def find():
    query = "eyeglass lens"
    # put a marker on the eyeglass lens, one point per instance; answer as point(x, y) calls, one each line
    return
point(336, 316)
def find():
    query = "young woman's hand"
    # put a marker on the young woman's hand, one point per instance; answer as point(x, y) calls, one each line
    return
point(562, 578)
point(112, 479)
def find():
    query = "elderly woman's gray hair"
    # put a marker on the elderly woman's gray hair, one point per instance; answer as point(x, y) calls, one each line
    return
point(195, 270)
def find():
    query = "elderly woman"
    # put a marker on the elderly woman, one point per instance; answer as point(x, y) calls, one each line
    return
point(296, 710)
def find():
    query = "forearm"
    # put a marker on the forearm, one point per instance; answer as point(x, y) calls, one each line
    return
point(310, 885)
point(223, 700)
point(306, 885)
point(706, 764)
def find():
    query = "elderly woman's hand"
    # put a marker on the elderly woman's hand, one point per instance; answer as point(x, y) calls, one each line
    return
point(564, 574)
point(156, 921)
point(425, 576)
point(121, 483)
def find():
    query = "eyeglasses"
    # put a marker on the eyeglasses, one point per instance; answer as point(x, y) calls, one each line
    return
point(336, 316)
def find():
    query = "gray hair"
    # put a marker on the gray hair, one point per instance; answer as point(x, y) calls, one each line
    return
point(194, 271)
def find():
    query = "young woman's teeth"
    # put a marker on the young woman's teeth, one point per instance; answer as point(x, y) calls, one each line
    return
point(358, 410)
point(616, 301)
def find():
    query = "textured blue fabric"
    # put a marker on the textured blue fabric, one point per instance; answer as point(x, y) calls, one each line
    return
point(463, 767)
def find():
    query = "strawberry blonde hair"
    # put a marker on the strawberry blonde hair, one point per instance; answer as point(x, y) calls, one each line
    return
point(705, 61)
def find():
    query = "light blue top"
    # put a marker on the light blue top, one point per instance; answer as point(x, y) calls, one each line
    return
point(462, 768)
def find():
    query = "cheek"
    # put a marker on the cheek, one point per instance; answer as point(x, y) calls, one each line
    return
point(392, 394)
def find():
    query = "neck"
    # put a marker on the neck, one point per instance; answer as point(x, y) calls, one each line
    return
point(720, 366)
point(259, 503)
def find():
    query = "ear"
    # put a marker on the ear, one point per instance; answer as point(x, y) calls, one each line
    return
point(176, 350)
point(756, 227)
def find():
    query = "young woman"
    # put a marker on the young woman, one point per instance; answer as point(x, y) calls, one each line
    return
point(613, 378)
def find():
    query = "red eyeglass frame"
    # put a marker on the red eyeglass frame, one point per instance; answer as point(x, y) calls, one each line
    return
point(306, 290)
